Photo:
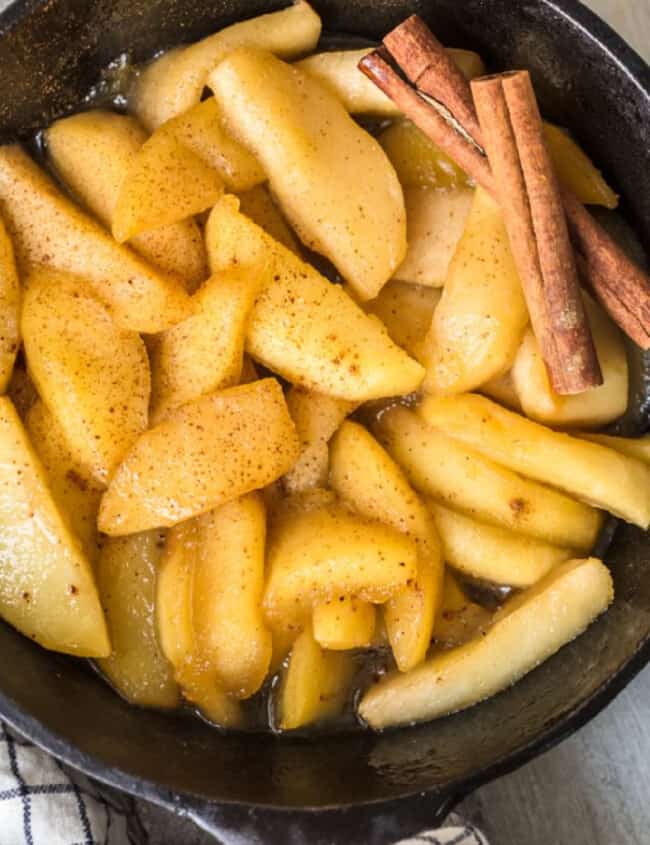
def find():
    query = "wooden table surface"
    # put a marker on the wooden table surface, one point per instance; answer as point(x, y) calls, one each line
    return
point(593, 789)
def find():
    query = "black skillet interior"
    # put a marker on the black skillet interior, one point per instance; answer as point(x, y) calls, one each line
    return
point(50, 54)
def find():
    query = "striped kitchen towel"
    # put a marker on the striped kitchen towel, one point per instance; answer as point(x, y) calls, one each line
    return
point(43, 802)
point(455, 832)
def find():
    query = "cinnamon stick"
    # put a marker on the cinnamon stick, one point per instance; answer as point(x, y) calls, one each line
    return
point(530, 197)
point(559, 323)
point(430, 68)
point(622, 287)
point(376, 65)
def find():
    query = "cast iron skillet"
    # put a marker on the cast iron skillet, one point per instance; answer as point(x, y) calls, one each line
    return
point(357, 787)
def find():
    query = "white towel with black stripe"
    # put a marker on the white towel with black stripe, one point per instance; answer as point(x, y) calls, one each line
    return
point(43, 802)
point(455, 832)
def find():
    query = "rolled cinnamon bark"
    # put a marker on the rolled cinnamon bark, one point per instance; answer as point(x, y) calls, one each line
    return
point(622, 287)
point(376, 65)
point(529, 194)
point(430, 68)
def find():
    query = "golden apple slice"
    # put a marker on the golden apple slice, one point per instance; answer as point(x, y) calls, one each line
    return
point(343, 623)
point(47, 589)
point(332, 179)
point(435, 221)
point(227, 594)
point(174, 83)
point(174, 612)
point(418, 162)
point(593, 473)
point(204, 454)
point(315, 683)
point(591, 408)
point(165, 183)
point(75, 491)
point(302, 326)
point(576, 170)
point(492, 553)
point(9, 309)
point(320, 552)
point(633, 447)
point(92, 375)
point(481, 318)
point(203, 131)
point(365, 475)
point(464, 479)
point(316, 417)
point(528, 630)
point(92, 152)
point(339, 71)
point(46, 228)
point(205, 352)
point(136, 667)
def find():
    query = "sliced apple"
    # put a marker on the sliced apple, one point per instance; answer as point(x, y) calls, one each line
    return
point(92, 152)
point(47, 228)
point(204, 454)
point(205, 352)
point(227, 594)
point(173, 83)
point(332, 179)
point(92, 375)
point(9, 309)
point(364, 474)
point(174, 617)
point(316, 417)
point(74, 489)
point(165, 182)
point(127, 582)
point(302, 326)
point(47, 589)
point(528, 630)
point(317, 552)
point(315, 683)
point(591, 472)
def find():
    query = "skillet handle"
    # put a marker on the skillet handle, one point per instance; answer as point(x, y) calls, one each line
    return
point(369, 824)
